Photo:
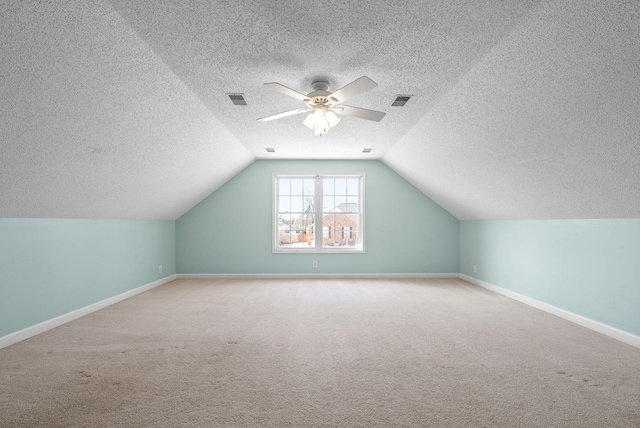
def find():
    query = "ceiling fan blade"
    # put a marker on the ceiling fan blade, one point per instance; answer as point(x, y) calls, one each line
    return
point(287, 91)
point(284, 114)
point(361, 113)
point(354, 88)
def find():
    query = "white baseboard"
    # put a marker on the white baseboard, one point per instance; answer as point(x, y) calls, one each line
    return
point(313, 275)
point(34, 330)
point(612, 332)
point(28, 332)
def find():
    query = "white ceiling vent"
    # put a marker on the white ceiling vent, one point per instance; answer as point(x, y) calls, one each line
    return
point(366, 150)
point(237, 99)
point(270, 149)
point(400, 100)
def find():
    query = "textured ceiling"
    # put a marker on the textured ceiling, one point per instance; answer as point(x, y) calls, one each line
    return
point(546, 125)
point(520, 109)
point(95, 125)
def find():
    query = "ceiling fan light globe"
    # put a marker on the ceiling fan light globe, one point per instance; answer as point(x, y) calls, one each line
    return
point(309, 122)
point(324, 125)
point(332, 119)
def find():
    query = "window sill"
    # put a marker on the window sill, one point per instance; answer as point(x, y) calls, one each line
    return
point(318, 250)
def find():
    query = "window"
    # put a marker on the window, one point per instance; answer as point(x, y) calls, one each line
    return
point(333, 204)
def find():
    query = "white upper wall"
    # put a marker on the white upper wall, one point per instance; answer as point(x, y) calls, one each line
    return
point(93, 123)
point(520, 109)
point(546, 125)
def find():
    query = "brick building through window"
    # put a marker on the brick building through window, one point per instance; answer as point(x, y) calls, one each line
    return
point(339, 227)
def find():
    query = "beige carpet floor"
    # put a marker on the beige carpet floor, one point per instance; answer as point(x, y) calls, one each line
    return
point(320, 353)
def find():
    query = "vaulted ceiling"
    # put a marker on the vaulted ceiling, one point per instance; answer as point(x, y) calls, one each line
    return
point(519, 110)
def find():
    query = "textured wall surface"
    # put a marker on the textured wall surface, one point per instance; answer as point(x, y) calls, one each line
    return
point(519, 110)
point(51, 267)
point(95, 125)
point(588, 267)
point(544, 126)
point(231, 231)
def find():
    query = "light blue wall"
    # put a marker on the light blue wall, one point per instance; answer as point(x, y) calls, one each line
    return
point(588, 267)
point(49, 267)
point(230, 231)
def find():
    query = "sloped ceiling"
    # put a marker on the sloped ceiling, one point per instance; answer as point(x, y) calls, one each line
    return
point(520, 109)
point(95, 125)
point(546, 125)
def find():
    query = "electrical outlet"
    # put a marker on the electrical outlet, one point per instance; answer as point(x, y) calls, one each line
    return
point(160, 269)
point(315, 264)
point(475, 268)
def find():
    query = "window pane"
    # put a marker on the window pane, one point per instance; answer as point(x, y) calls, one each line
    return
point(296, 186)
point(284, 221)
point(304, 226)
point(284, 229)
point(352, 186)
point(352, 203)
point(340, 202)
point(309, 204)
point(353, 237)
point(309, 186)
point(305, 222)
point(284, 186)
point(285, 238)
point(306, 240)
point(328, 224)
point(284, 204)
point(341, 186)
point(328, 203)
point(340, 222)
point(328, 186)
point(297, 204)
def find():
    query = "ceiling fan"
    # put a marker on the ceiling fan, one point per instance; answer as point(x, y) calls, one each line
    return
point(323, 106)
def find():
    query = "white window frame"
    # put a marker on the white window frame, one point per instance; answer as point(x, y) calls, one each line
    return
point(318, 230)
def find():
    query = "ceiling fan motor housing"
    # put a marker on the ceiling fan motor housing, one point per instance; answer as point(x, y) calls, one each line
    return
point(320, 89)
